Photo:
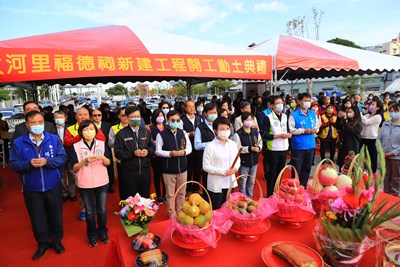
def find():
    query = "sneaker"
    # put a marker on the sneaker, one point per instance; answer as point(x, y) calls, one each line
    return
point(82, 216)
point(93, 243)
point(104, 239)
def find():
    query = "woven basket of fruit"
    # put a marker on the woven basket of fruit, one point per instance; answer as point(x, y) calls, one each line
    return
point(196, 222)
point(247, 213)
point(323, 187)
point(290, 194)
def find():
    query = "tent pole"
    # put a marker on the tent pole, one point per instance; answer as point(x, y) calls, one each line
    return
point(275, 76)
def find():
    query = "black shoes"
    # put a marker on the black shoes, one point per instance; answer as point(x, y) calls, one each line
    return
point(64, 199)
point(93, 243)
point(104, 239)
point(58, 248)
point(39, 253)
point(73, 199)
point(111, 190)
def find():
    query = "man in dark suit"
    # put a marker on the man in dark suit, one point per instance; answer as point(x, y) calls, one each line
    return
point(21, 128)
point(68, 176)
point(105, 128)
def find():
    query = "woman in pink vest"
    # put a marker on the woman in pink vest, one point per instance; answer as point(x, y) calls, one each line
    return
point(89, 160)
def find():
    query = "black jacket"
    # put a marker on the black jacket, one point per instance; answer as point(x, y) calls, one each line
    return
point(248, 139)
point(174, 165)
point(22, 129)
point(125, 146)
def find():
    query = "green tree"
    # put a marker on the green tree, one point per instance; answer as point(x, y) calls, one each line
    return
point(219, 86)
point(344, 42)
point(4, 94)
point(353, 84)
point(117, 89)
point(180, 89)
point(199, 89)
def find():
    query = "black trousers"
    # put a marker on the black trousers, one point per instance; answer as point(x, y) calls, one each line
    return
point(110, 171)
point(45, 213)
point(157, 177)
point(217, 199)
point(131, 183)
point(277, 159)
point(190, 171)
point(265, 163)
point(327, 145)
point(373, 152)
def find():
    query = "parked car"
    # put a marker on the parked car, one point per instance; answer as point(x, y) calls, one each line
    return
point(46, 103)
point(6, 113)
point(19, 108)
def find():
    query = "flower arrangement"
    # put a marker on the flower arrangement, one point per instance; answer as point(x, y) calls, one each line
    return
point(355, 214)
point(136, 213)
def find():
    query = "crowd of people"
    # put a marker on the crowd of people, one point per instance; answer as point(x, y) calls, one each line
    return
point(77, 147)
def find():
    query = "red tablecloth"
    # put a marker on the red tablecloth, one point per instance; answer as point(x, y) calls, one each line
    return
point(229, 252)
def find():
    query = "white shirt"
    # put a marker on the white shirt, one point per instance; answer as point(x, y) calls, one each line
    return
point(217, 159)
point(36, 142)
point(198, 145)
point(165, 153)
point(60, 131)
point(370, 126)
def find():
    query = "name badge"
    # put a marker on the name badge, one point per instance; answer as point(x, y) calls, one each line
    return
point(128, 139)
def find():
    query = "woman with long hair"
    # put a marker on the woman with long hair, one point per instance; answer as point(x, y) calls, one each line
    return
point(156, 127)
point(349, 127)
point(369, 132)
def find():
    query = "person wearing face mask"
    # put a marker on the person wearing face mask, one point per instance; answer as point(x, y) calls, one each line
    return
point(244, 107)
point(90, 159)
point(328, 132)
point(250, 139)
point(397, 97)
point(276, 135)
point(203, 136)
point(219, 156)
point(346, 105)
point(21, 129)
point(325, 103)
point(173, 145)
point(349, 128)
point(38, 157)
point(134, 147)
point(357, 101)
point(165, 107)
point(67, 181)
point(389, 136)
point(386, 103)
point(225, 113)
point(157, 126)
point(70, 138)
point(303, 125)
point(316, 108)
point(189, 125)
point(369, 132)
point(199, 105)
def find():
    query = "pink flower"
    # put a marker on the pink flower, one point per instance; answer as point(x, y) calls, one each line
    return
point(149, 212)
point(138, 209)
point(155, 207)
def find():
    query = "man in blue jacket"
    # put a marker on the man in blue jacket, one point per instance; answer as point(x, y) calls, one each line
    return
point(303, 126)
point(38, 157)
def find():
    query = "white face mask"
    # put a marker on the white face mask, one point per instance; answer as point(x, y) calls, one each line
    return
point(279, 107)
point(306, 105)
point(224, 134)
point(315, 109)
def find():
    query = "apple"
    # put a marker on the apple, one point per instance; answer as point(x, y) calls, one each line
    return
point(343, 180)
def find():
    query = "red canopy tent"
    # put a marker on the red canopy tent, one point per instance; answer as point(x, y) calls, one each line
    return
point(297, 58)
point(119, 54)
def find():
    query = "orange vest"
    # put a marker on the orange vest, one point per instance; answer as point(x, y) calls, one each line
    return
point(324, 131)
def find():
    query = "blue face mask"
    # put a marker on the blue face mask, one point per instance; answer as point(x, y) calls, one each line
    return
point(212, 117)
point(174, 124)
point(394, 115)
point(37, 129)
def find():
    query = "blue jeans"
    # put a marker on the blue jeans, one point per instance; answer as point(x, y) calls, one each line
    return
point(95, 202)
point(302, 161)
point(246, 183)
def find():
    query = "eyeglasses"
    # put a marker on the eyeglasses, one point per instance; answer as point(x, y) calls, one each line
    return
point(178, 121)
point(96, 115)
